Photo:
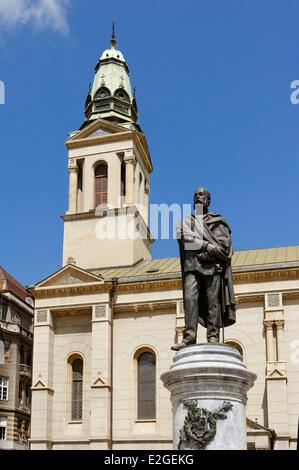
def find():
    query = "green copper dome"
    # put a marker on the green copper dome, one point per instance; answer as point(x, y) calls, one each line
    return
point(110, 96)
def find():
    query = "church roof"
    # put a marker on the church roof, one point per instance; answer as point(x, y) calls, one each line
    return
point(9, 284)
point(243, 261)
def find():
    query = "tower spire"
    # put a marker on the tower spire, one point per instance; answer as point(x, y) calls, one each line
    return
point(113, 36)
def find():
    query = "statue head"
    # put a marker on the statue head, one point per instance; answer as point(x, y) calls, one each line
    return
point(202, 197)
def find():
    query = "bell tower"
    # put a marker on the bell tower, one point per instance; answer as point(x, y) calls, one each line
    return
point(109, 165)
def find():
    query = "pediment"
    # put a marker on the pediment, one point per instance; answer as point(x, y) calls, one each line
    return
point(252, 426)
point(276, 374)
point(98, 128)
point(70, 275)
point(99, 382)
point(39, 383)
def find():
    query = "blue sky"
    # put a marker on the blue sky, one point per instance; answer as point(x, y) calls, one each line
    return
point(213, 87)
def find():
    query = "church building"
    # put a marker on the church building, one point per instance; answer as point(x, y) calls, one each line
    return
point(105, 322)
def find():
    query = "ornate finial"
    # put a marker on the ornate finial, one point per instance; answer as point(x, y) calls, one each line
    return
point(113, 37)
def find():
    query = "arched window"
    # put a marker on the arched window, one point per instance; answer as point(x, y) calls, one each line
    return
point(101, 184)
point(77, 389)
point(146, 386)
point(236, 345)
point(122, 95)
point(102, 93)
point(80, 186)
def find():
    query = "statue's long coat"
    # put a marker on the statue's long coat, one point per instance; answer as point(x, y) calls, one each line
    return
point(215, 230)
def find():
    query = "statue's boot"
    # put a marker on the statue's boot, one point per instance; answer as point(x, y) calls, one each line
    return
point(177, 347)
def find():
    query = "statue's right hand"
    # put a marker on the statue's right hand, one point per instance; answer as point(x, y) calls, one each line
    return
point(212, 249)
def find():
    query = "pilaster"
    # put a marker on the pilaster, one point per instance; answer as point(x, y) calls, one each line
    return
point(180, 321)
point(130, 161)
point(100, 406)
point(42, 383)
point(146, 202)
point(276, 377)
point(73, 187)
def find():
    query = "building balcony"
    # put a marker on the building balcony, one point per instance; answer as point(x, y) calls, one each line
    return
point(25, 370)
point(15, 328)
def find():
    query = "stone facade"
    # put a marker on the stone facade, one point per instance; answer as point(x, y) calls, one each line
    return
point(109, 324)
point(111, 303)
point(16, 330)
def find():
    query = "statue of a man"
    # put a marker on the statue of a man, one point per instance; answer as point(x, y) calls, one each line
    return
point(205, 252)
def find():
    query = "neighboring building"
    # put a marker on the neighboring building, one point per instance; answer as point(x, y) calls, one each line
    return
point(16, 330)
point(105, 322)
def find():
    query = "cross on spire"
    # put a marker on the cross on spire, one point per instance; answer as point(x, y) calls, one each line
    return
point(113, 36)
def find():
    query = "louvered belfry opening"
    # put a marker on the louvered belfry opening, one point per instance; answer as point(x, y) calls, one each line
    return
point(146, 386)
point(101, 184)
point(123, 180)
point(77, 389)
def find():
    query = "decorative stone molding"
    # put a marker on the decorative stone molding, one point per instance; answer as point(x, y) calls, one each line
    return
point(73, 169)
point(41, 386)
point(180, 308)
point(280, 339)
point(100, 132)
point(268, 324)
point(262, 276)
point(83, 140)
point(269, 340)
point(144, 307)
point(41, 316)
point(79, 289)
point(275, 373)
point(279, 324)
point(209, 375)
point(69, 280)
point(273, 301)
point(167, 284)
point(129, 159)
point(100, 312)
point(179, 330)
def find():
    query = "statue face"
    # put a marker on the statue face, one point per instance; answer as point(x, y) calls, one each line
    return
point(202, 197)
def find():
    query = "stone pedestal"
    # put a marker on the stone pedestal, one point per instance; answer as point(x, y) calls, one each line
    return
point(208, 385)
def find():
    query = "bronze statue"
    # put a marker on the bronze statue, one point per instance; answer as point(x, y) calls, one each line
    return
point(205, 252)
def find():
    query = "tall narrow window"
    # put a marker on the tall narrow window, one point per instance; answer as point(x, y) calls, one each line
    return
point(123, 180)
point(3, 388)
point(146, 386)
point(3, 426)
point(101, 184)
point(80, 187)
point(77, 389)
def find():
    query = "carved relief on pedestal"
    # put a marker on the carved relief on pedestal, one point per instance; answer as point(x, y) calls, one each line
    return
point(200, 425)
